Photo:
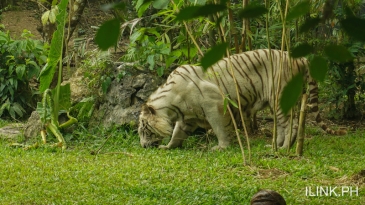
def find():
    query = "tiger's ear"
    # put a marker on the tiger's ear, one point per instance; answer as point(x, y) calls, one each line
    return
point(148, 110)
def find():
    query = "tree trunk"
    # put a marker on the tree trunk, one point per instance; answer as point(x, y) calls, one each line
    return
point(245, 30)
point(349, 110)
point(75, 11)
point(75, 14)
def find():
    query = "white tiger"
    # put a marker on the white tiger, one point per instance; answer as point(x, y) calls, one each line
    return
point(191, 98)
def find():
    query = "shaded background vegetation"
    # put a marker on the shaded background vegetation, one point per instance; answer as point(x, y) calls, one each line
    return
point(151, 37)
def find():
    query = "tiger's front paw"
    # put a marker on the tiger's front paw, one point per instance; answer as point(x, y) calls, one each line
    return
point(218, 148)
point(163, 147)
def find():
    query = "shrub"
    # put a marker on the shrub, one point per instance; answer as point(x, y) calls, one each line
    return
point(20, 63)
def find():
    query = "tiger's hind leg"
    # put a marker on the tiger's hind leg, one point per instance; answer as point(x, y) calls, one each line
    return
point(181, 131)
point(250, 124)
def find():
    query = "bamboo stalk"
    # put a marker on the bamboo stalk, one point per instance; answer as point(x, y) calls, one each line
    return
point(230, 66)
point(301, 125)
point(281, 65)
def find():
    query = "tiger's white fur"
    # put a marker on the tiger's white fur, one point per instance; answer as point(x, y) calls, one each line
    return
point(191, 98)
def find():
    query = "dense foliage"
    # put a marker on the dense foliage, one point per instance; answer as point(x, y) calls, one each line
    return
point(165, 33)
point(20, 63)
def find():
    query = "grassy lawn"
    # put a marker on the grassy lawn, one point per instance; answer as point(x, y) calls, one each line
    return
point(125, 173)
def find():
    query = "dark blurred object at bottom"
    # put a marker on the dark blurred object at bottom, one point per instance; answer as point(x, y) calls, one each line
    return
point(267, 197)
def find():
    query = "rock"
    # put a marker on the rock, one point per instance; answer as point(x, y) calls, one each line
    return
point(33, 126)
point(129, 89)
point(11, 131)
point(78, 86)
point(122, 103)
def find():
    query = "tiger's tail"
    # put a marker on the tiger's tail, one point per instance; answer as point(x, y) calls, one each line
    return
point(313, 105)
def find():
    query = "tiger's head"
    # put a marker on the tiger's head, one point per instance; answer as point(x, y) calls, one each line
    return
point(152, 128)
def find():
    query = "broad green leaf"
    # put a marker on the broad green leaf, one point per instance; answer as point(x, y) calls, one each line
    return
point(143, 8)
point(11, 81)
point(151, 61)
point(108, 34)
point(291, 93)
point(2, 86)
point(233, 103)
point(22, 45)
point(215, 54)
point(301, 50)
point(141, 2)
point(5, 105)
point(176, 53)
point(354, 27)
point(160, 4)
point(32, 71)
point(252, 11)
point(43, 59)
point(64, 100)
point(106, 84)
point(318, 68)
point(29, 62)
point(11, 91)
point(52, 15)
point(192, 12)
point(165, 51)
point(55, 8)
point(160, 71)
point(338, 53)
point(309, 24)
point(185, 50)
point(65, 97)
point(137, 35)
point(153, 31)
point(55, 53)
point(18, 109)
point(11, 112)
point(168, 61)
point(225, 104)
point(45, 17)
point(298, 10)
point(193, 52)
point(20, 70)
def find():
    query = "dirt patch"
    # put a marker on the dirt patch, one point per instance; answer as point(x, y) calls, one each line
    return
point(17, 21)
point(270, 173)
point(28, 17)
point(359, 178)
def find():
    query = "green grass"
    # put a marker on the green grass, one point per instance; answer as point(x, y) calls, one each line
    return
point(125, 173)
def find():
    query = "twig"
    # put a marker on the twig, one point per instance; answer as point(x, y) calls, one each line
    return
point(125, 153)
point(97, 152)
